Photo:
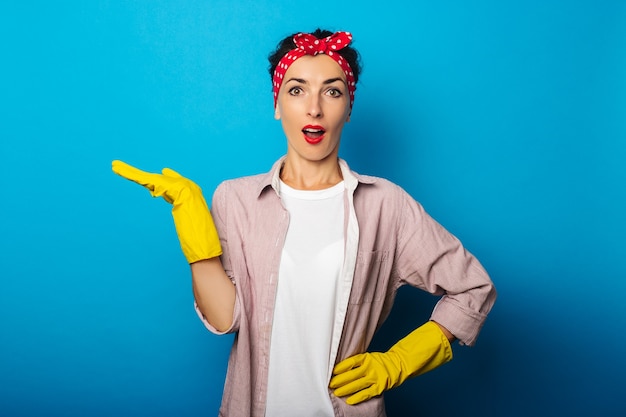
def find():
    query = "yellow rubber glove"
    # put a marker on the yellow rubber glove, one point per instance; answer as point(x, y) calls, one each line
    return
point(367, 375)
point(194, 224)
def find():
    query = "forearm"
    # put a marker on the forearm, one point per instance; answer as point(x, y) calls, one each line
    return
point(446, 332)
point(214, 292)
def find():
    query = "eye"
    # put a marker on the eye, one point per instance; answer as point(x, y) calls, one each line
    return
point(295, 91)
point(334, 92)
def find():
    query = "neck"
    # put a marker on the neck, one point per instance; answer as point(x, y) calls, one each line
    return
point(306, 175)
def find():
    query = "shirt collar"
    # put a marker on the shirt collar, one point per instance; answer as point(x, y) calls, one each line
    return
point(351, 178)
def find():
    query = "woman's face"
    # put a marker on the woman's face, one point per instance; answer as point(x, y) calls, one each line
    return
point(313, 105)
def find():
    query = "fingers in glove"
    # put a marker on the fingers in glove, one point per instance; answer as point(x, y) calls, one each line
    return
point(171, 173)
point(349, 363)
point(349, 387)
point(344, 378)
point(134, 174)
point(363, 395)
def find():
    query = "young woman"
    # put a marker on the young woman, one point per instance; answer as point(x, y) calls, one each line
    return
point(304, 262)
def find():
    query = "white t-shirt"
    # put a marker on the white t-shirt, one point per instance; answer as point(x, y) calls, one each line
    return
point(304, 314)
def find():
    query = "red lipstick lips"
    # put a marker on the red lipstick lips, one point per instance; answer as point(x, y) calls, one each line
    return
point(313, 134)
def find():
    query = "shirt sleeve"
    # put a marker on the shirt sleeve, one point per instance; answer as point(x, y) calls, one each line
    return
point(431, 258)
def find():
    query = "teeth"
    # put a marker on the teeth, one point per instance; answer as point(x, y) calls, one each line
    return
point(313, 130)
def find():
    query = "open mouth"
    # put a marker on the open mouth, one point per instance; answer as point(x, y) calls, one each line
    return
point(313, 134)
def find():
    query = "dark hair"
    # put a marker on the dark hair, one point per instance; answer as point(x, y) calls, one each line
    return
point(349, 53)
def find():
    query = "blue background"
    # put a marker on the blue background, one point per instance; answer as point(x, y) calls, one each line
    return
point(506, 120)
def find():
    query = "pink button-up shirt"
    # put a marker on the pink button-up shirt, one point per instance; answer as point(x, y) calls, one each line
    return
point(390, 241)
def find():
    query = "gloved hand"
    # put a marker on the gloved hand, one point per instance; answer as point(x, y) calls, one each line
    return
point(194, 224)
point(367, 375)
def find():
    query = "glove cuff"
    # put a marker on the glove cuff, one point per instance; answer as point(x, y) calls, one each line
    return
point(423, 350)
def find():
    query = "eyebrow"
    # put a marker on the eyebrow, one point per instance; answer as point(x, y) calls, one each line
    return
point(326, 82)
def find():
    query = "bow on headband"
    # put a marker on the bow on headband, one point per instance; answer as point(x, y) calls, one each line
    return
point(307, 44)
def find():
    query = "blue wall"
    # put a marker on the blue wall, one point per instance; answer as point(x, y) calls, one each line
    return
point(507, 120)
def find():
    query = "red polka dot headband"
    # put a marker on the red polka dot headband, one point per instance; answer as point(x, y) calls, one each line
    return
point(307, 44)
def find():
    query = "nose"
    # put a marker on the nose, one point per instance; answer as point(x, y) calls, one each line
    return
point(315, 106)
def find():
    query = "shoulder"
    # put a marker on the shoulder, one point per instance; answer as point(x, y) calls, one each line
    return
point(368, 184)
point(239, 198)
point(378, 187)
point(249, 185)
point(381, 197)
